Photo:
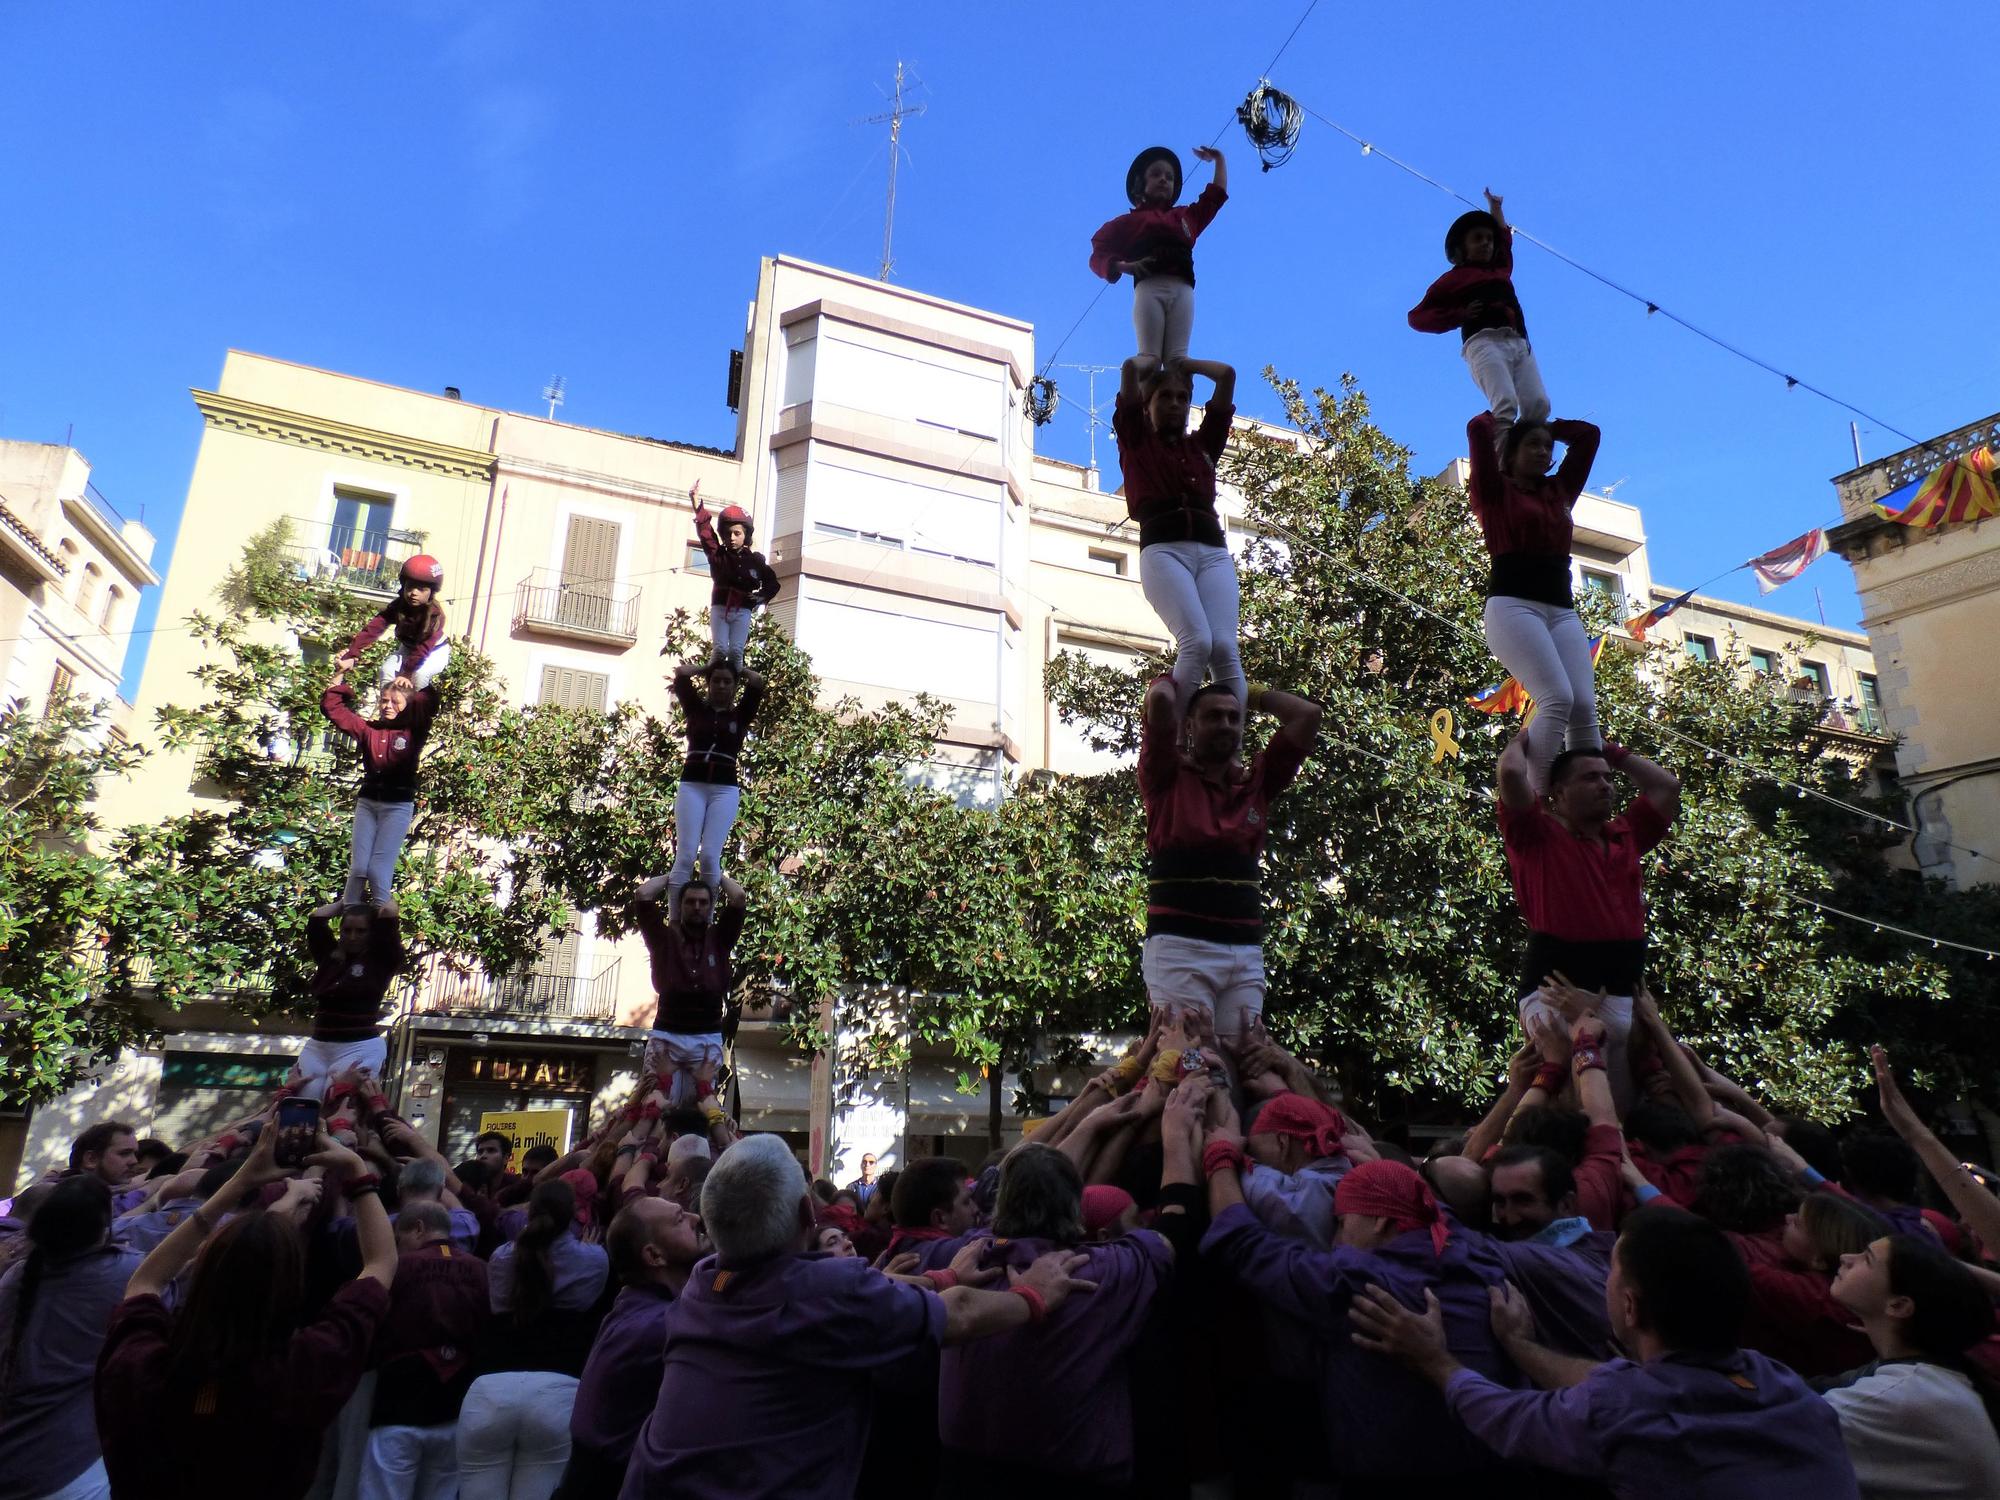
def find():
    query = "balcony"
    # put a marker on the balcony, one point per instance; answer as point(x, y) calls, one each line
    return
point(537, 994)
point(365, 559)
point(597, 610)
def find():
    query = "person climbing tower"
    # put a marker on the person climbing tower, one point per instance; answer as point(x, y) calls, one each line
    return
point(741, 580)
point(1154, 245)
point(1475, 299)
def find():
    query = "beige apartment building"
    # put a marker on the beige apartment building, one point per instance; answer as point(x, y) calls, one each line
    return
point(71, 571)
point(1930, 600)
point(885, 453)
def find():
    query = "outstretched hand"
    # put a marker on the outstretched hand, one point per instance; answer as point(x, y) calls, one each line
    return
point(1896, 1108)
point(1207, 153)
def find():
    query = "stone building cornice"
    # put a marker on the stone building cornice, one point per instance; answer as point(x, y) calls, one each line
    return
point(305, 430)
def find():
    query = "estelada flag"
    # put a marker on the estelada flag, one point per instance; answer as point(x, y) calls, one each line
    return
point(1640, 624)
point(1962, 490)
point(1783, 564)
point(1511, 697)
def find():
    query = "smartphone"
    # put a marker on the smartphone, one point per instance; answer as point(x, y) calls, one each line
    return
point(298, 1129)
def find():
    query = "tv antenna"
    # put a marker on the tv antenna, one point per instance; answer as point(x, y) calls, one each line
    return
point(1091, 372)
point(894, 116)
point(553, 394)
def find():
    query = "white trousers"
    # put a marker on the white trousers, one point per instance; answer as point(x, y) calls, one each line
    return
point(729, 629)
point(319, 1061)
point(436, 662)
point(1545, 647)
point(1163, 316)
point(1192, 588)
point(703, 815)
point(92, 1484)
point(410, 1463)
point(1222, 980)
point(379, 831)
point(1503, 367)
point(683, 1056)
point(1616, 1013)
point(513, 1435)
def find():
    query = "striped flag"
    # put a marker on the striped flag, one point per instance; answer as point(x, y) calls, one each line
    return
point(1640, 624)
point(1783, 564)
point(1962, 490)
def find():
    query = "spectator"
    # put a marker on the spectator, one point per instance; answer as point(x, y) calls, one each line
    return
point(1688, 1414)
point(1047, 1410)
point(437, 1308)
point(863, 1187)
point(54, 1305)
point(1914, 1421)
point(769, 1349)
point(237, 1384)
point(109, 1151)
point(513, 1430)
point(653, 1245)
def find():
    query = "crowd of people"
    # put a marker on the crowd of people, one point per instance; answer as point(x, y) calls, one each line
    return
point(1204, 1275)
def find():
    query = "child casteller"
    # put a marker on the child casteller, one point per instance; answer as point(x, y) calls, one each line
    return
point(1476, 300)
point(1154, 245)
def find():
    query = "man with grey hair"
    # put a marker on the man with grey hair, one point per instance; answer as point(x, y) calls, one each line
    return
point(770, 1348)
point(422, 1181)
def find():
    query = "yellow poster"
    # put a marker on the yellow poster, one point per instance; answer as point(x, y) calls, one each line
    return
point(529, 1127)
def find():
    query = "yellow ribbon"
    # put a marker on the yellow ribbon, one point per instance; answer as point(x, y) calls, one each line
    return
point(1442, 744)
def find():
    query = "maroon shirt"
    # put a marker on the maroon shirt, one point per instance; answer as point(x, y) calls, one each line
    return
point(715, 735)
point(767, 1381)
point(347, 993)
point(1793, 1314)
point(1204, 840)
point(1527, 526)
point(740, 578)
point(1059, 1396)
point(414, 651)
point(1446, 305)
point(256, 1437)
point(1571, 887)
point(691, 978)
point(1166, 236)
point(1170, 482)
point(389, 747)
point(438, 1308)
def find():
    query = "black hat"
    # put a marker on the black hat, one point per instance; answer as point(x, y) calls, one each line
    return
point(1463, 225)
point(1135, 175)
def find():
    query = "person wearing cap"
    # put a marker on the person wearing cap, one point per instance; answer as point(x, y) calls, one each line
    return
point(1154, 245)
point(1476, 299)
point(391, 744)
point(718, 717)
point(739, 579)
point(1383, 1426)
point(420, 651)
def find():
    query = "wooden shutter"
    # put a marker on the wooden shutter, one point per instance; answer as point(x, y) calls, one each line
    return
point(590, 567)
point(566, 687)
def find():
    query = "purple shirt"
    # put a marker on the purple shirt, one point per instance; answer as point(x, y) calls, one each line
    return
point(1059, 1396)
point(144, 1231)
point(766, 1386)
point(1721, 1427)
point(623, 1375)
point(580, 1273)
point(1381, 1421)
point(1564, 1285)
point(1299, 1204)
point(48, 1428)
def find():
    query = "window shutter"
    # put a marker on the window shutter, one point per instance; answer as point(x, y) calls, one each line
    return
point(566, 687)
point(590, 550)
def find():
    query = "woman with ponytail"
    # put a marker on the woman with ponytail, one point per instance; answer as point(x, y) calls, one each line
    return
point(1918, 1421)
point(54, 1304)
point(548, 1293)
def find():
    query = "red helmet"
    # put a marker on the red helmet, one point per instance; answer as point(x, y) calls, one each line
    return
point(424, 570)
point(736, 515)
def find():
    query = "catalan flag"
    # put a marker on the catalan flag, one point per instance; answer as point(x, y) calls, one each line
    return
point(1640, 624)
point(1511, 697)
point(1962, 490)
point(1783, 564)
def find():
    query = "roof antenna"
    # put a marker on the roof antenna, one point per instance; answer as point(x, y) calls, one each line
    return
point(897, 112)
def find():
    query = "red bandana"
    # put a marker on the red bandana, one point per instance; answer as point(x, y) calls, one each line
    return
point(1302, 1119)
point(1389, 1190)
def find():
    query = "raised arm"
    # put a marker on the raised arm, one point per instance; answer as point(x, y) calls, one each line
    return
point(1493, 202)
point(173, 1254)
point(1511, 778)
point(1581, 440)
point(1521, 1070)
point(1298, 717)
point(1655, 782)
point(1686, 1081)
point(1134, 373)
point(337, 703)
point(1223, 375)
point(1979, 1208)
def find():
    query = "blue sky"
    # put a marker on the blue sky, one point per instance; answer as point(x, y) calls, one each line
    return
point(484, 194)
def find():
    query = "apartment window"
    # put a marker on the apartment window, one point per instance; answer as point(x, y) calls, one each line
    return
point(1762, 662)
point(1609, 585)
point(568, 687)
point(1701, 647)
point(113, 597)
point(1812, 675)
point(359, 534)
point(61, 683)
point(1871, 703)
point(855, 534)
point(589, 572)
point(86, 588)
point(1106, 560)
point(697, 560)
